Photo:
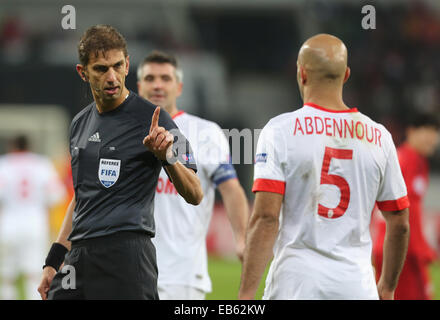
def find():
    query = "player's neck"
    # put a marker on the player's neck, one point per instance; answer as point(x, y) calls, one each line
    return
point(172, 111)
point(105, 106)
point(329, 98)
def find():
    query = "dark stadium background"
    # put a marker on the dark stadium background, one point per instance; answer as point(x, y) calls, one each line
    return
point(238, 57)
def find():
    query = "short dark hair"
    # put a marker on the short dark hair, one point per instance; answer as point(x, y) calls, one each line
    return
point(417, 120)
point(100, 38)
point(19, 142)
point(157, 56)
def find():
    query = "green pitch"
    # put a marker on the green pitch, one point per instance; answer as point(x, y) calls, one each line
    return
point(225, 277)
point(435, 277)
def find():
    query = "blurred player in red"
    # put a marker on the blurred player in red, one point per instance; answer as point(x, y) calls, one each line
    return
point(422, 137)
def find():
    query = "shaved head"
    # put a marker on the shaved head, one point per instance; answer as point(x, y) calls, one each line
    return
point(325, 56)
point(322, 61)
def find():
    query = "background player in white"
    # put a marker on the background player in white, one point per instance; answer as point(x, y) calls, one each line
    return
point(29, 186)
point(181, 228)
point(324, 167)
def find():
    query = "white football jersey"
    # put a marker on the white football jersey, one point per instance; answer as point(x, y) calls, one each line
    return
point(332, 167)
point(181, 228)
point(29, 185)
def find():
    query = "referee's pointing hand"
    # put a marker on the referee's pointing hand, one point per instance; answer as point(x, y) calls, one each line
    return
point(159, 141)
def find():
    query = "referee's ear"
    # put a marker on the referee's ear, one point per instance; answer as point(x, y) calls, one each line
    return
point(127, 65)
point(80, 69)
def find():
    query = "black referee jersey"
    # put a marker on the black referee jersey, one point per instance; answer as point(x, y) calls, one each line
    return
point(114, 174)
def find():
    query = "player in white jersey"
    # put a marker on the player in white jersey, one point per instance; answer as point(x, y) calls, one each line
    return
point(181, 228)
point(29, 186)
point(324, 167)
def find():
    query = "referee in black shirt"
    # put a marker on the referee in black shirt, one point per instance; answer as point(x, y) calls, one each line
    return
point(118, 145)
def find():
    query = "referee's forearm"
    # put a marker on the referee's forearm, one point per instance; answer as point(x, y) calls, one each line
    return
point(186, 183)
point(66, 227)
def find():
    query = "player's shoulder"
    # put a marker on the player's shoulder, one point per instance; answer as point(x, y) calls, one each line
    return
point(408, 155)
point(282, 120)
point(386, 137)
point(196, 120)
point(405, 149)
point(366, 119)
point(197, 128)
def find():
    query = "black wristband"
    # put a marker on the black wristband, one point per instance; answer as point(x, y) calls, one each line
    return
point(55, 257)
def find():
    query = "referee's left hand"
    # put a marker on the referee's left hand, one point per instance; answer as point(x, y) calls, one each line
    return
point(46, 280)
point(159, 141)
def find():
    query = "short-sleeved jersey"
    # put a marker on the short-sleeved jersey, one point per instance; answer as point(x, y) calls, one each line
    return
point(114, 174)
point(29, 186)
point(332, 167)
point(181, 228)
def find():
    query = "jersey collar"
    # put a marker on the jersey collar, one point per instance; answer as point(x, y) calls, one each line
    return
point(178, 114)
point(309, 104)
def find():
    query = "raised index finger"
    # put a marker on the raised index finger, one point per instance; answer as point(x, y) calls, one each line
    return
point(155, 119)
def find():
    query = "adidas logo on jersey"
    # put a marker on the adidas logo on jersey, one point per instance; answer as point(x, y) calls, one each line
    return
point(95, 138)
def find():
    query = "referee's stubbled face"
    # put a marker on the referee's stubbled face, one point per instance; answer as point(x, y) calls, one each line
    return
point(106, 74)
point(159, 85)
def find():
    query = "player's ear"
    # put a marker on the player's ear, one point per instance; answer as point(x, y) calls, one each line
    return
point(179, 88)
point(303, 75)
point(80, 69)
point(347, 74)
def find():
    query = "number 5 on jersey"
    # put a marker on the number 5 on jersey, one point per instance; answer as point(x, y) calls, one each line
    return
point(336, 180)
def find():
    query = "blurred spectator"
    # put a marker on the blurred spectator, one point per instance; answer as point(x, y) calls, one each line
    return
point(29, 186)
point(13, 40)
point(422, 136)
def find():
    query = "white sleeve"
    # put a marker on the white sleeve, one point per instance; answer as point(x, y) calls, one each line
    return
point(392, 195)
point(213, 154)
point(269, 173)
point(214, 149)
